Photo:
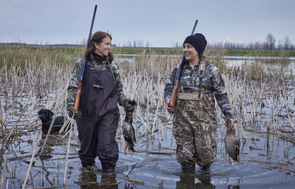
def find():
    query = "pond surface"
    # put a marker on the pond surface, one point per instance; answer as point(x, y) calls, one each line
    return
point(154, 164)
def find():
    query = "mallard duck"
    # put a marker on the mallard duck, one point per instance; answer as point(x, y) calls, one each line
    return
point(128, 132)
point(232, 145)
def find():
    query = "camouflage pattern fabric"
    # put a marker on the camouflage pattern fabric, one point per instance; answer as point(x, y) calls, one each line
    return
point(194, 124)
point(73, 85)
point(194, 130)
point(212, 84)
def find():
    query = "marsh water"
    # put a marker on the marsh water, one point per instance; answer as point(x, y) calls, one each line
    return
point(267, 159)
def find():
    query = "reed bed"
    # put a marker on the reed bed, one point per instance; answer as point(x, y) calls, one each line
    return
point(261, 94)
point(258, 91)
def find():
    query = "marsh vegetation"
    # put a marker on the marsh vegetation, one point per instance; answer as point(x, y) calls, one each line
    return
point(261, 93)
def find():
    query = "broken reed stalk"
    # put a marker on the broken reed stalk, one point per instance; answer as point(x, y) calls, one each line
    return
point(142, 120)
point(68, 150)
point(161, 185)
point(33, 156)
point(155, 118)
point(29, 113)
point(3, 171)
point(48, 133)
point(6, 138)
point(1, 119)
point(32, 178)
point(64, 126)
point(50, 128)
point(131, 180)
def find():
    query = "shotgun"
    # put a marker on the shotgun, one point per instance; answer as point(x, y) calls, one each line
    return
point(177, 76)
point(77, 100)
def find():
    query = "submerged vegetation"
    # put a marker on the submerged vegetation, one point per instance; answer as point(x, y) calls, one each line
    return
point(261, 91)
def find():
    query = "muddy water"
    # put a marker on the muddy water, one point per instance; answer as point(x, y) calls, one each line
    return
point(261, 166)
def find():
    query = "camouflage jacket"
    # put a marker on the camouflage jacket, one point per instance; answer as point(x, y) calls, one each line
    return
point(73, 84)
point(212, 85)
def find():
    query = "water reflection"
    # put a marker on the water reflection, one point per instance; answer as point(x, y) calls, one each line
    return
point(90, 180)
point(200, 179)
point(46, 172)
point(188, 182)
point(109, 181)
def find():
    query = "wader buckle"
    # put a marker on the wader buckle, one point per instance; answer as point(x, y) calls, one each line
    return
point(97, 86)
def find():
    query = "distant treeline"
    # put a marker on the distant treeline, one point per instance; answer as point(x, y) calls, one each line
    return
point(270, 43)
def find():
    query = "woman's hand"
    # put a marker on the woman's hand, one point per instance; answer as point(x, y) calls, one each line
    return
point(72, 111)
point(229, 123)
point(129, 105)
point(169, 109)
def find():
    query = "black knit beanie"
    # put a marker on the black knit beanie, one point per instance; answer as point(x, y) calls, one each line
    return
point(198, 41)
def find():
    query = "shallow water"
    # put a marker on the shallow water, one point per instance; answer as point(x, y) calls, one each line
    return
point(262, 167)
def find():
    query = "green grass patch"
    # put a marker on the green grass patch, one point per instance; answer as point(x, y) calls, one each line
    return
point(276, 53)
point(160, 51)
point(20, 55)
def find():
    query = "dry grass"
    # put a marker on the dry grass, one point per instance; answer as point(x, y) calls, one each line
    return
point(260, 95)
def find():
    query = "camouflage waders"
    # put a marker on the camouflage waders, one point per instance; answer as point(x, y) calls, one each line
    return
point(195, 124)
point(194, 129)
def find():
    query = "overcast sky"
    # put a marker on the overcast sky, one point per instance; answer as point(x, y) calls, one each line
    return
point(160, 22)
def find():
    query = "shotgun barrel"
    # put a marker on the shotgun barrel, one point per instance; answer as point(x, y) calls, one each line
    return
point(77, 100)
point(177, 76)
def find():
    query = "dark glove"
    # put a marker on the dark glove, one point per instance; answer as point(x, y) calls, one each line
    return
point(129, 105)
point(72, 110)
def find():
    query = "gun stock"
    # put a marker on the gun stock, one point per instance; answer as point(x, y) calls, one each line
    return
point(177, 76)
point(77, 100)
point(174, 93)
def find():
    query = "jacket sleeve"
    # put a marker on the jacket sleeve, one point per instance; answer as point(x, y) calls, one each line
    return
point(220, 93)
point(73, 84)
point(169, 85)
point(118, 83)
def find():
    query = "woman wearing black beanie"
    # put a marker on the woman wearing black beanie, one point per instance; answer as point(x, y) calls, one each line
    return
point(194, 123)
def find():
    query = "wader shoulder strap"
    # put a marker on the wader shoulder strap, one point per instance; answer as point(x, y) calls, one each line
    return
point(108, 68)
point(88, 65)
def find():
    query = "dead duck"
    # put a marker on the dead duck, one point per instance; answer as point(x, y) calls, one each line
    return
point(128, 132)
point(232, 144)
